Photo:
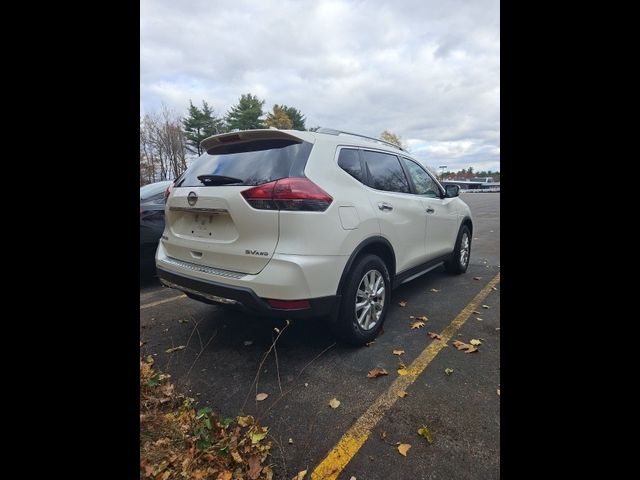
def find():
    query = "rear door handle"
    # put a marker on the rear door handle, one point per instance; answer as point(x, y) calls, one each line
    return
point(430, 210)
point(384, 206)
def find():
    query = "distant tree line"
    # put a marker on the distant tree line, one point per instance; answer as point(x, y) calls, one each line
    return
point(469, 173)
point(166, 139)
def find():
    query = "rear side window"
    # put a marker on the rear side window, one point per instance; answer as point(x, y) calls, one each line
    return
point(349, 161)
point(385, 172)
point(251, 163)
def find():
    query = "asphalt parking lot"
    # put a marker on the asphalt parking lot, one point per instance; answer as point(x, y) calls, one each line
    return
point(307, 369)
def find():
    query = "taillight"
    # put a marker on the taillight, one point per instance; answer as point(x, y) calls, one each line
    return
point(167, 192)
point(293, 194)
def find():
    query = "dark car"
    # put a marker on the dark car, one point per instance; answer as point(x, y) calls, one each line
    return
point(151, 219)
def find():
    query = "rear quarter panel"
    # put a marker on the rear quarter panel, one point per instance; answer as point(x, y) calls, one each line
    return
point(325, 233)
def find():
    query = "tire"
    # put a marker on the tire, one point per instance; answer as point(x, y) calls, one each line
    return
point(346, 327)
point(459, 261)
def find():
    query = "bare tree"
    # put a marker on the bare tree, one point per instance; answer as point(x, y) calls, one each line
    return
point(162, 146)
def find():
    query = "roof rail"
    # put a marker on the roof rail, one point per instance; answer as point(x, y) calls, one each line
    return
point(332, 131)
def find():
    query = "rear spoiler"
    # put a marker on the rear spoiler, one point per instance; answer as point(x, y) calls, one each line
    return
point(246, 136)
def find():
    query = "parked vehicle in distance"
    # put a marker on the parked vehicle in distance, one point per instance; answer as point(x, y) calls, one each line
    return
point(151, 219)
point(296, 224)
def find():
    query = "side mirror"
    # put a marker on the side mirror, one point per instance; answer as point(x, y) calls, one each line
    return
point(451, 191)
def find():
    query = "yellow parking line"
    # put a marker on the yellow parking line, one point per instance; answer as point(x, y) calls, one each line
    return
point(354, 438)
point(159, 302)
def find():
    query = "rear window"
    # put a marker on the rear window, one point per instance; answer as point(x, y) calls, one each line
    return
point(252, 163)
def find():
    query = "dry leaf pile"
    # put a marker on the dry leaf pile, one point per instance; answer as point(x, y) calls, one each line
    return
point(179, 442)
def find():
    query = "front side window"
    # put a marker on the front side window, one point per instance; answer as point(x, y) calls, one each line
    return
point(385, 172)
point(422, 181)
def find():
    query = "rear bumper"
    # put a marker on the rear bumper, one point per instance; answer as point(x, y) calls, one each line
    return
point(214, 292)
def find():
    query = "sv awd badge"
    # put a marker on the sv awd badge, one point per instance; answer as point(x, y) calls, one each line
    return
point(256, 252)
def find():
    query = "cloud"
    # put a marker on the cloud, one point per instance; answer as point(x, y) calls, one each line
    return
point(426, 70)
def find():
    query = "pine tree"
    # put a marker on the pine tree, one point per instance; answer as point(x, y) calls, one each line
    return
point(297, 118)
point(246, 114)
point(200, 124)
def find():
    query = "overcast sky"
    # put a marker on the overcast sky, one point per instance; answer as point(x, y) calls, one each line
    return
point(426, 70)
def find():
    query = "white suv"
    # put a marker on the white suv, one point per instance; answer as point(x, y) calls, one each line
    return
point(298, 224)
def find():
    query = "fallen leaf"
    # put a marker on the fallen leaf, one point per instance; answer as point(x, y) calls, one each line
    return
point(248, 343)
point(464, 346)
point(417, 324)
point(402, 394)
point(423, 318)
point(425, 433)
point(477, 278)
point(486, 306)
point(291, 441)
point(261, 396)
point(245, 421)
point(225, 475)
point(268, 473)
point(398, 352)
point(377, 372)
point(167, 389)
point(402, 370)
point(175, 349)
point(148, 468)
point(434, 335)
point(254, 467)
point(402, 303)
point(368, 344)
point(475, 342)
point(448, 371)
point(236, 456)
point(258, 434)
point(434, 290)
point(334, 403)
point(300, 475)
point(403, 448)
point(498, 392)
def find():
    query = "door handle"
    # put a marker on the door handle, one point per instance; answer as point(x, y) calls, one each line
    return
point(384, 206)
point(430, 210)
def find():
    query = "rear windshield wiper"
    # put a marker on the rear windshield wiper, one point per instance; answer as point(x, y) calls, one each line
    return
point(219, 180)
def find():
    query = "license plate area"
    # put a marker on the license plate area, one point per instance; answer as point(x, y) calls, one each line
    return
point(202, 225)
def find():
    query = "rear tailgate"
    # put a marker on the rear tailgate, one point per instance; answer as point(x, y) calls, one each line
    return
point(213, 225)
